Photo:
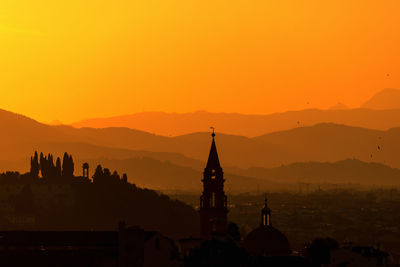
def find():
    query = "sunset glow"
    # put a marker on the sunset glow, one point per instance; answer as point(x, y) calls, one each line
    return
point(70, 60)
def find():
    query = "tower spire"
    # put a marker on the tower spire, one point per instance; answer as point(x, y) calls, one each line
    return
point(213, 159)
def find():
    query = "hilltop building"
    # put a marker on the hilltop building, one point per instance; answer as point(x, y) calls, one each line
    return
point(213, 201)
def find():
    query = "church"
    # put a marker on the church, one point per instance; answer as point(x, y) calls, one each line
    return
point(264, 240)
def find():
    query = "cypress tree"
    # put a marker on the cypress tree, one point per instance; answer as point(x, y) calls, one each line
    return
point(35, 166)
point(65, 165)
point(58, 167)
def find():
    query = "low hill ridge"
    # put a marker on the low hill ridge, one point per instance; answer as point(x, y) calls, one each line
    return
point(175, 124)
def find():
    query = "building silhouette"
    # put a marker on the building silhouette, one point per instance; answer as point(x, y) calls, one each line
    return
point(85, 170)
point(129, 246)
point(266, 240)
point(213, 201)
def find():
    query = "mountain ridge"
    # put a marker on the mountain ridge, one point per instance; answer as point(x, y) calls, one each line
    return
point(321, 142)
point(388, 98)
point(175, 124)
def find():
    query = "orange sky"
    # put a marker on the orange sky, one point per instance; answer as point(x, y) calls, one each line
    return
point(80, 59)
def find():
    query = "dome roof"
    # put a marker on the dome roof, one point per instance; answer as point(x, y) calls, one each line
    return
point(267, 240)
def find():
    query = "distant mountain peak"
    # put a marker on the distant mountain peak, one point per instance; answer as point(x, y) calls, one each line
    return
point(388, 98)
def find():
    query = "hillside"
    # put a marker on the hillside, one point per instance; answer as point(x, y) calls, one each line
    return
point(321, 142)
point(246, 125)
point(176, 162)
point(63, 202)
point(341, 172)
point(164, 175)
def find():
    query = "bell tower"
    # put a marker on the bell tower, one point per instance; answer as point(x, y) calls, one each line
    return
point(213, 201)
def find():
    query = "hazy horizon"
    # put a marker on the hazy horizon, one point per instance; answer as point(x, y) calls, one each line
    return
point(308, 105)
point(100, 59)
point(335, 106)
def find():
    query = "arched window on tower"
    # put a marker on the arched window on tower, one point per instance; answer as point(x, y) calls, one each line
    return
point(213, 199)
point(213, 174)
point(266, 220)
point(266, 214)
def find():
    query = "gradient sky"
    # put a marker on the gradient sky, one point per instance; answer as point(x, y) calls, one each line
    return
point(75, 59)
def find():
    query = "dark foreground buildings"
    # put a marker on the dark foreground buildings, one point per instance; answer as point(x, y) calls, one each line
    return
point(126, 247)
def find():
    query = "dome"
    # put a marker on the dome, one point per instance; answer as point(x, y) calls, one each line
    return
point(268, 241)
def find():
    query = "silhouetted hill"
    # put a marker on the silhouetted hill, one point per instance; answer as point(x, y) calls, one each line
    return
point(58, 200)
point(164, 175)
point(341, 172)
point(385, 99)
point(246, 125)
point(321, 142)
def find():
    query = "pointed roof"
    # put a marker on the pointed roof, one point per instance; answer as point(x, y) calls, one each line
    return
point(213, 160)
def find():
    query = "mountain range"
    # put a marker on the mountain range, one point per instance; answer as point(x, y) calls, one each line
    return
point(176, 162)
point(321, 142)
point(380, 112)
point(386, 99)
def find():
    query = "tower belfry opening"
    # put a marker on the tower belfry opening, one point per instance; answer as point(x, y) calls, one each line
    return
point(266, 213)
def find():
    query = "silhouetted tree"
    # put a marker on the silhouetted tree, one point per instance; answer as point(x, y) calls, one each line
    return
point(35, 167)
point(115, 176)
point(50, 167)
point(67, 166)
point(125, 178)
point(98, 175)
point(71, 165)
point(106, 173)
point(58, 167)
point(43, 165)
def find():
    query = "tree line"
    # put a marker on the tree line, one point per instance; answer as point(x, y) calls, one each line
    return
point(48, 170)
